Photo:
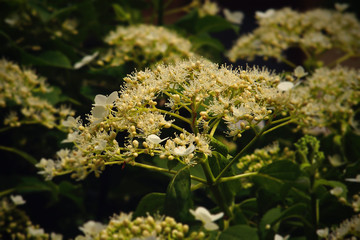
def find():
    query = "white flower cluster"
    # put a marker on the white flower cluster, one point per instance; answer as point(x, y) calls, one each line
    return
point(191, 97)
point(346, 229)
point(23, 88)
point(145, 45)
point(313, 31)
point(326, 100)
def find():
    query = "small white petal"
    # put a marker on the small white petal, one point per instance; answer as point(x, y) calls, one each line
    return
point(341, 6)
point(100, 100)
point(99, 112)
point(17, 200)
point(217, 216)
point(323, 233)
point(183, 151)
point(92, 228)
point(55, 236)
point(233, 17)
point(112, 97)
point(155, 139)
point(85, 60)
point(337, 191)
point(356, 179)
point(210, 226)
point(285, 86)
point(299, 72)
point(206, 217)
point(268, 13)
point(279, 237)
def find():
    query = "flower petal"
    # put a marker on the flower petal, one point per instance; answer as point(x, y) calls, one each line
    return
point(210, 226)
point(112, 97)
point(100, 100)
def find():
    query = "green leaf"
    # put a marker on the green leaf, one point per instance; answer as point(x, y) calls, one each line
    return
point(219, 146)
point(178, 199)
point(151, 203)
point(49, 58)
point(121, 14)
point(202, 40)
point(34, 184)
point(22, 154)
point(72, 192)
point(187, 22)
point(41, 11)
point(218, 162)
point(333, 184)
point(278, 177)
point(56, 59)
point(54, 96)
point(284, 170)
point(172, 164)
point(214, 24)
point(239, 232)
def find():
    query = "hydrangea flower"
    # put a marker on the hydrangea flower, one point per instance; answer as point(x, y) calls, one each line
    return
point(17, 200)
point(207, 218)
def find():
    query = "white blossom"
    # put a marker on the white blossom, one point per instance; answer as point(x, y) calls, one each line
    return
point(155, 139)
point(336, 191)
point(279, 237)
point(233, 17)
point(299, 72)
point(17, 199)
point(323, 233)
point(55, 236)
point(207, 218)
point(35, 231)
point(341, 6)
point(285, 86)
point(87, 59)
point(183, 151)
point(356, 179)
point(92, 228)
point(266, 14)
point(102, 100)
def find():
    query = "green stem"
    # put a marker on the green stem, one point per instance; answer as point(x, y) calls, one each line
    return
point(226, 179)
point(6, 192)
point(214, 188)
point(237, 157)
point(174, 115)
point(288, 62)
point(340, 60)
point(194, 117)
point(177, 128)
point(5, 129)
point(305, 51)
point(278, 126)
point(281, 120)
point(197, 186)
point(212, 132)
point(158, 169)
point(23, 154)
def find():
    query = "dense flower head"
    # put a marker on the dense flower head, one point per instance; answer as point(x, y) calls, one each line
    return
point(22, 87)
point(123, 226)
point(313, 31)
point(326, 100)
point(191, 98)
point(145, 45)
